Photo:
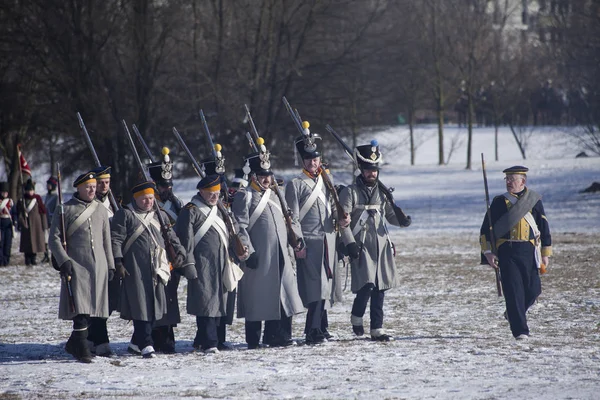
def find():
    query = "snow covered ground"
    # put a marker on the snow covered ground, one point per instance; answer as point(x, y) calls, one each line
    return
point(451, 340)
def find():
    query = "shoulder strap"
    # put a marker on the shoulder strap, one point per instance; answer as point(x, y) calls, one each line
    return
point(266, 195)
point(82, 218)
point(317, 193)
point(31, 204)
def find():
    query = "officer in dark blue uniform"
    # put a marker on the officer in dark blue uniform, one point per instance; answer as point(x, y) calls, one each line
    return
point(524, 244)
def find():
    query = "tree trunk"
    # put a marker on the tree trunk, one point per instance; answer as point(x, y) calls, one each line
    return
point(469, 126)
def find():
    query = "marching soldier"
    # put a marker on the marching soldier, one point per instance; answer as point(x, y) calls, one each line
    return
point(33, 223)
point(7, 215)
point(161, 172)
point(142, 265)
point(524, 246)
point(203, 232)
point(86, 263)
point(98, 331)
point(216, 166)
point(367, 240)
point(310, 201)
point(268, 291)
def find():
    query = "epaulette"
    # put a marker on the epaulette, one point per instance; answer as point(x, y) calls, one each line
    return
point(189, 205)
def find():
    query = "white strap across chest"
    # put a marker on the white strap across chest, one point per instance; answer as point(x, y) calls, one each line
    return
point(31, 204)
point(3, 206)
point(266, 198)
point(145, 223)
point(106, 204)
point(87, 213)
point(213, 219)
point(317, 193)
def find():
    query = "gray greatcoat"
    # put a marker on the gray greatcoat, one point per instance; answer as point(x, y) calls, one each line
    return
point(369, 211)
point(206, 296)
point(172, 316)
point(142, 292)
point(114, 286)
point(89, 249)
point(33, 239)
point(318, 231)
point(263, 291)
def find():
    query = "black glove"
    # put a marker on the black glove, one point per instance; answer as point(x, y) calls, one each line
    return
point(120, 270)
point(252, 261)
point(406, 222)
point(66, 269)
point(341, 249)
point(179, 261)
point(403, 219)
point(111, 274)
point(353, 250)
point(189, 271)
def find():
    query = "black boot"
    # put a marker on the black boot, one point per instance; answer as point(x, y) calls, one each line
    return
point(33, 259)
point(77, 346)
point(315, 336)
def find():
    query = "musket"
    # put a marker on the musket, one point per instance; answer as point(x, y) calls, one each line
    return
point(88, 140)
point(287, 212)
point(165, 228)
point(325, 176)
point(387, 192)
point(239, 247)
point(143, 143)
point(489, 218)
point(63, 236)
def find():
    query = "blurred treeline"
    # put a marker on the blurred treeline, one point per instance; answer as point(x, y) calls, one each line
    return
point(349, 63)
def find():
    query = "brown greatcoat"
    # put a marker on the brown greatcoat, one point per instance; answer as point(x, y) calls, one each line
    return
point(33, 238)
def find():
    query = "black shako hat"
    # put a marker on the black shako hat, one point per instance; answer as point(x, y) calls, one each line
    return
point(307, 143)
point(162, 171)
point(368, 156)
point(516, 170)
point(258, 162)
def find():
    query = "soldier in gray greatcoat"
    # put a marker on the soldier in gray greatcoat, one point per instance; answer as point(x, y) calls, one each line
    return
point(141, 262)
point(203, 232)
point(310, 201)
point(268, 291)
point(367, 240)
point(86, 263)
point(161, 173)
point(98, 331)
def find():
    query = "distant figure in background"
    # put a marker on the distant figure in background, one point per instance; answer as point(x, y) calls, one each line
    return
point(50, 201)
point(524, 245)
point(33, 223)
point(7, 216)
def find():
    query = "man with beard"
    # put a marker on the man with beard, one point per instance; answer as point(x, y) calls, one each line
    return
point(268, 291)
point(141, 263)
point(98, 331)
point(367, 240)
point(87, 262)
point(33, 223)
point(203, 233)
point(310, 201)
point(524, 246)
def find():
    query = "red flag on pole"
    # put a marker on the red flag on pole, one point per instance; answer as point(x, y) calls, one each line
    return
point(23, 163)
